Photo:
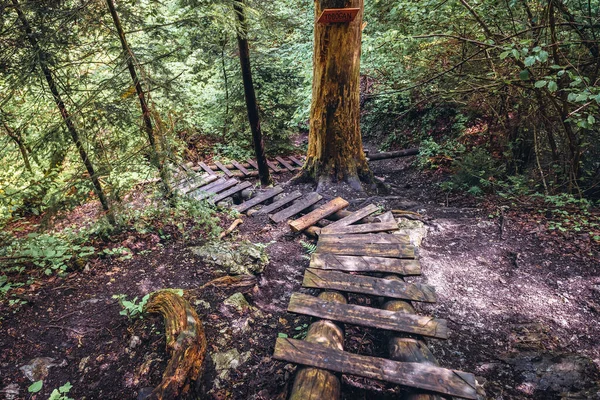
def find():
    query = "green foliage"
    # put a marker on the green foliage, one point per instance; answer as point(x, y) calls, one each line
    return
point(61, 393)
point(131, 308)
point(310, 248)
point(35, 387)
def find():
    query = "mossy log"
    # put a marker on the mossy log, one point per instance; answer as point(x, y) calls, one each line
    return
point(186, 344)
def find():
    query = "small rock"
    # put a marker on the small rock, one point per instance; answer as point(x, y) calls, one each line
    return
point(237, 301)
point(134, 342)
point(37, 369)
point(203, 303)
point(11, 391)
point(228, 360)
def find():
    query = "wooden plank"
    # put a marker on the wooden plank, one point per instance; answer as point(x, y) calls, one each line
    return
point(366, 228)
point(294, 209)
point(205, 180)
point(285, 164)
point(258, 199)
point(279, 203)
point(274, 167)
point(386, 217)
point(321, 279)
point(395, 250)
point(240, 167)
point(421, 376)
point(224, 169)
point(365, 238)
point(296, 161)
point(352, 218)
point(321, 212)
point(253, 163)
point(207, 187)
point(365, 264)
point(230, 192)
point(206, 168)
point(368, 316)
point(217, 188)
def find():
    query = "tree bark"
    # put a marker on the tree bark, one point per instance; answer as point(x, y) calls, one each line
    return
point(42, 61)
point(156, 158)
point(18, 139)
point(335, 151)
point(250, 95)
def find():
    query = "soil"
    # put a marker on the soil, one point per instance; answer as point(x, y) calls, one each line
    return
point(516, 297)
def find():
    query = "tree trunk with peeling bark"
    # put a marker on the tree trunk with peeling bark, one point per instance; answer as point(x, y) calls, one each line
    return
point(335, 151)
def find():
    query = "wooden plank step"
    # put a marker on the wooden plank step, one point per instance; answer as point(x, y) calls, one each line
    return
point(274, 167)
point(321, 212)
point(206, 168)
point(207, 187)
point(224, 169)
point(205, 180)
point(368, 316)
point(365, 238)
point(240, 167)
point(279, 203)
point(321, 279)
point(421, 376)
point(365, 264)
point(230, 192)
point(352, 218)
point(395, 250)
point(386, 217)
point(206, 193)
point(365, 228)
point(296, 161)
point(294, 209)
point(253, 163)
point(285, 164)
point(258, 199)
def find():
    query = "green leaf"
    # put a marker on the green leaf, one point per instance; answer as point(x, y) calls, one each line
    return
point(540, 84)
point(515, 53)
point(591, 119)
point(282, 335)
point(505, 54)
point(65, 388)
point(552, 86)
point(524, 75)
point(529, 61)
point(35, 387)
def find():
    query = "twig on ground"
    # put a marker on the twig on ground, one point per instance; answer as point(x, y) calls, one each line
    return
point(233, 225)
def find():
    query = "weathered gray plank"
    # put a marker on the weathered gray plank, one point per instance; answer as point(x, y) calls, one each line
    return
point(296, 161)
point(395, 250)
point(274, 167)
point(199, 193)
point(230, 192)
point(253, 163)
point(441, 380)
point(294, 209)
point(224, 169)
point(365, 264)
point(285, 163)
point(258, 199)
point(206, 168)
point(322, 279)
point(352, 218)
point(207, 192)
point(279, 203)
point(365, 228)
point(203, 181)
point(368, 316)
point(365, 238)
point(240, 167)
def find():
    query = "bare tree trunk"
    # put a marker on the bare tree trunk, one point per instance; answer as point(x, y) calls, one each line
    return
point(42, 61)
point(226, 84)
point(335, 151)
point(251, 105)
point(18, 139)
point(156, 158)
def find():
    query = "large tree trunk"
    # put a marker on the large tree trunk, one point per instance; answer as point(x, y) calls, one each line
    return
point(156, 157)
point(335, 151)
point(42, 61)
point(252, 106)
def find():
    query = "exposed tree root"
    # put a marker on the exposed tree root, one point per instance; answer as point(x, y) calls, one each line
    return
point(185, 341)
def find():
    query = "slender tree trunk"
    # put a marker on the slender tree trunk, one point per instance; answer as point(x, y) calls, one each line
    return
point(156, 158)
point(226, 83)
point(42, 61)
point(335, 151)
point(18, 139)
point(251, 105)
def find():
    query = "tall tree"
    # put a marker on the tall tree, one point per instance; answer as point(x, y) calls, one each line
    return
point(156, 158)
point(335, 151)
point(42, 59)
point(250, 95)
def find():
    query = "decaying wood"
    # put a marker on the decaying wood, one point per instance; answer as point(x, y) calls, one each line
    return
point(256, 200)
point(241, 282)
point(393, 154)
point(365, 264)
point(233, 225)
point(240, 167)
point(318, 384)
point(353, 217)
point(323, 211)
point(206, 168)
point(334, 280)
point(295, 208)
point(368, 316)
point(279, 203)
point(205, 180)
point(365, 228)
point(230, 192)
point(395, 250)
point(312, 231)
point(224, 169)
point(296, 161)
point(364, 238)
point(285, 164)
point(440, 380)
point(186, 344)
point(274, 167)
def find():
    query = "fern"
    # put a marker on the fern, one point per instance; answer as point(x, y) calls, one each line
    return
point(309, 248)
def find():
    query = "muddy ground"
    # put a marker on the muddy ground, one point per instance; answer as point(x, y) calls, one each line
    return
point(523, 308)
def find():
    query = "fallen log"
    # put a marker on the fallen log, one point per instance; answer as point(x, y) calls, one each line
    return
point(393, 154)
point(186, 344)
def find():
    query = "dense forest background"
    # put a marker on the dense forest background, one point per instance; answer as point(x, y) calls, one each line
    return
point(504, 95)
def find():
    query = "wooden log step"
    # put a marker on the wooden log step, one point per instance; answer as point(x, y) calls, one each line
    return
point(365, 264)
point(285, 163)
point(199, 194)
point(368, 316)
point(395, 250)
point(206, 168)
point(230, 192)
point(427, 377)
point(364, 238)
point(334, 280)
point(279, 203)
point(240, 167)
point(352, 218)
point(365, 228)
point(321, 212)
point(274, 167)
point(258, 199)
point(206, 193)
point(294, 209)
point(205, 180)
point(252, 163)
point(296, 161)
point(224, 169)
